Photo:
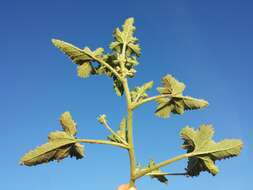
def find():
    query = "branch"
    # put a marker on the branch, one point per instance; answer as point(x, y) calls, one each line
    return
point(168, 174)
point(92, 141)
point(135, 105)
point(161, 164)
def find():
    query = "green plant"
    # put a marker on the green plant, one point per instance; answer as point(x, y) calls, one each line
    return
point(201, 150)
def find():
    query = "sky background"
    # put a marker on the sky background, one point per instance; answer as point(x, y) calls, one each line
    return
point(205, 44)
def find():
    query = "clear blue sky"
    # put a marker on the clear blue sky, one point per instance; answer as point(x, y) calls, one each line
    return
point(206, 44)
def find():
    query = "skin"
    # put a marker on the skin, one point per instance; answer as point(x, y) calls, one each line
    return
point(126, 187)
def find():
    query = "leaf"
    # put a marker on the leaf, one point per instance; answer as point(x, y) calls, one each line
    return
point(60, 145)
point(84, 70)
point(74, 53)
point(120, 133)
point(83, 58)
point(171, 86)
point(125, 37)
point(77, 151)
point(68, 124)
point(157, 174)
point(175, 102)
point(206, 151)
point(139, 93)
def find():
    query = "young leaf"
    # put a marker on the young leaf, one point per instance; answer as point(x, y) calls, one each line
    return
point(206, 151)
point(139, 93)
point(59, 146)
point(68, 124)
point(84, 70)
point(157, 174)
point(175, 102)
point(126, 37)
point(74, 53)
point(120, 133)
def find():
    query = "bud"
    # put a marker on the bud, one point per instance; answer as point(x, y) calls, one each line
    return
point(102, 119)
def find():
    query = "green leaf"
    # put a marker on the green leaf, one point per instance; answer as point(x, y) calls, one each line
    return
point(126, 37)
point(77, 55)
point(77, 151)
point(205, 150)
point(68, 124)
point(83, 58)
point(120, 133)
point(157, 174)
point(139, 93)
point(175, 102)
point(60, 145)
point(84, 70)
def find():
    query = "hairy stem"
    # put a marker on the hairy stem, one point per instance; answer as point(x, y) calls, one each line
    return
point(92, 141)
point(129, 118)
point(162, 164)
point(168, 174)
point(150, 99)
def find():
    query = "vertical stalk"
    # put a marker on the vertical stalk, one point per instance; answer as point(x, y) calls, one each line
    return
point(130, 134)
point(131, 146)
point(129, 117)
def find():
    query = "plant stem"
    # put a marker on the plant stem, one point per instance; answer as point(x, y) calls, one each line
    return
point(150, 99)
point(92, 141)
point(131, 145)
point(168, 174)
point(129, 117)
point(162, 164)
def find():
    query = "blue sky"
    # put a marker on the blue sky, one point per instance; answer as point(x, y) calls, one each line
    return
point(205, 44)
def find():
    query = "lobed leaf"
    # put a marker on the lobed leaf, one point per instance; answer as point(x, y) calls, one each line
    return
point(60, 145)
point(74, 53)
point(126, 37)
point(206, 151)
point(68, 124)
point(84, 70)
point(83, 58)
point(175, 102)
point(139, 93)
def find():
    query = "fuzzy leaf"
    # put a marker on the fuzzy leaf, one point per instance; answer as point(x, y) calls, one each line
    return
point(205, 150)
point(59, 146)
point(84, 70)
point(126, 37)
point(139, 93)
point(68, 124)
point(175, 102)
point(157, 174)
point(82, 57)
point(121, 133)
point(77, 151)
point(74, 53)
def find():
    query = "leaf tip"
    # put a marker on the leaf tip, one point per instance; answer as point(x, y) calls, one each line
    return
point(55, 41)
point(130, 20)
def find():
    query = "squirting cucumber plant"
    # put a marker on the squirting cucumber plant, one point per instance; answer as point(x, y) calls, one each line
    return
point(201, 151)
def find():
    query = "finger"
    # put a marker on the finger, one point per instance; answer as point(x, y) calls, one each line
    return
point(123, 187)
point(126, 187)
